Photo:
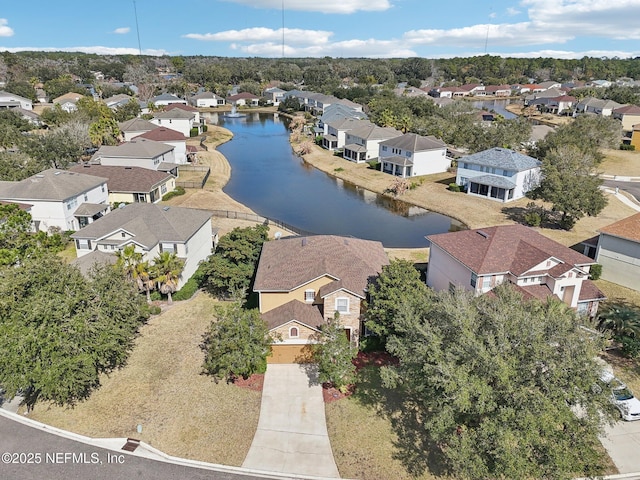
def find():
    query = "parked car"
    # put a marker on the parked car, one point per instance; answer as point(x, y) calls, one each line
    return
point(622, 397)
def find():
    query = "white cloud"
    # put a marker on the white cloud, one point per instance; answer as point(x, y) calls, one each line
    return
point(99, 50)
point(512, 12)
point(507, 34)
point(292, 36)
point(122, 30)
point(351, 48)
point(492, 15)
point(601, 18)
point(5, 29)
point(322, 6)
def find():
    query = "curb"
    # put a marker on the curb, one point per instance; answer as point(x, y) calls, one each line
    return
point(147, 451)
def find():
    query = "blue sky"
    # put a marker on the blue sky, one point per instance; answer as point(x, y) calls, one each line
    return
point(334, 28)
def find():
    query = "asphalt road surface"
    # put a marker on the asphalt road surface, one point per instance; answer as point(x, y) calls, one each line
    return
point(27, 453)
point(632, 188)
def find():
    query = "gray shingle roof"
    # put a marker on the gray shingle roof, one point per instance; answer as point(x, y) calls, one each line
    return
point(494, 181)
point(137, 125)
point(136, 148)
point(149, 223)
point(177, 113)
point(414, 142)
point(290, 262)
point(374, 132)
point(52, 185)
point(502, 158)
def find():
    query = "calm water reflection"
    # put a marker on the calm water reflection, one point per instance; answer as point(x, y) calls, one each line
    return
point(272, 181)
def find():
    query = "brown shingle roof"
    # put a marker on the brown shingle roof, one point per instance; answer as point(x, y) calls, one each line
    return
point(589, 291)
point(181, 106)
point(628, 228)
point(288, 263)
point(505, 248)
point(125, 179)
point(163, 134)
point(293, 310)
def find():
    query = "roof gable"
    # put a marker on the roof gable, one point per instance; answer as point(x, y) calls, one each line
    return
point(506, 248)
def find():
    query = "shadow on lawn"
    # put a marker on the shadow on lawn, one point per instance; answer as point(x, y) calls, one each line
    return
point(413, 446)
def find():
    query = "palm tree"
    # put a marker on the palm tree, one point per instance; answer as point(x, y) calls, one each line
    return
point(620, 318)
point(144, 277)
point(168, 268)
point(128, 259)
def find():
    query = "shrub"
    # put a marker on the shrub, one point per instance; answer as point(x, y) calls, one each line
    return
point(339, 169)
point(372, 343)
point(205, 128)
point(595, 272)
point(187, 291)
point(156, 296)
point(627, 147)
point(374, 164)
point(155, 309)
point(174, 193)
point(533, 219)
point(630, 346)
point(193, 132)
point(454, 187)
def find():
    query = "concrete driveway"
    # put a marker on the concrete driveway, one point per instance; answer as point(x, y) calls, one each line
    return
point(292, 432)
point(622, 442)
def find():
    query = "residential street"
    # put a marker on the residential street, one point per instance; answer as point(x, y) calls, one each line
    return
point(632, 188)
point(33, 454)
point(622, 442)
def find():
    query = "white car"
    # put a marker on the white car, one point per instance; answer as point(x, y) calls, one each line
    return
point(622, 397)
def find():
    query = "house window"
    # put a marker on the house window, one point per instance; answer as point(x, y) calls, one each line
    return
point(72, 203)
point(342, 305)
point(139, 197)
point(486, 283)
point(294, 332)
point(163, 189)
point(83, 244)
point(123, 234)
point(384, 148)
point(103, 188)
point(474, 280)
point(168, 247)
point(548, 263)
point(86, 197)
point(309, 295)
point(452, 288)
point(570, 274)
point(465, 165)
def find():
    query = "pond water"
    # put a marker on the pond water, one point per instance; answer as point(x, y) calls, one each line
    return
point(270, 179)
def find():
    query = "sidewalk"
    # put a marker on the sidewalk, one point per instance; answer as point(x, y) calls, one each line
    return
point(623, 198)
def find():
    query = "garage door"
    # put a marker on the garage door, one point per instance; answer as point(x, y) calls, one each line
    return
point(290, 354)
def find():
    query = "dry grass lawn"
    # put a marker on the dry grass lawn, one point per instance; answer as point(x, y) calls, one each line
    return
point(182, 412)
point(621, 162)
point(362, 436)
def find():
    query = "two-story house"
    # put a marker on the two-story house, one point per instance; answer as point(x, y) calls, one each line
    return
point(410, 155)
point(152, 229)
point(131, 184)
point(177, 119)
point(59, 198)
point(362, 142)
point(206, 100)
point(170, 137)
point(303, 281)
point(478, 260)
point(139, 152)
point(618, 252)
point(135, 127)
point(498, 174)
point(11, 100)
point(336, 131)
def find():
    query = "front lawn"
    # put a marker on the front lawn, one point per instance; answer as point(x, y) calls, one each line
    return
point(363, 432)
point(182, 412)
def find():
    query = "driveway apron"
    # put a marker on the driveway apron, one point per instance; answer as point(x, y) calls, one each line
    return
point(292, 432)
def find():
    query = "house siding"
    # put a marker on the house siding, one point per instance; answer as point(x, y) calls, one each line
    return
point(444, 269)
point(199, 248)
point(348, 320)
point(306, 334)
point(271, 300)
point(620, 260)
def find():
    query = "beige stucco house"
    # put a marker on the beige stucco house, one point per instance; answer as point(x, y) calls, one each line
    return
point(302, 281)
point(619, 252)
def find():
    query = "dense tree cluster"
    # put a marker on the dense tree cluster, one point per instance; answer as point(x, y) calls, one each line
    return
point(497, 387)
point(228, 272)
point(59, 330)
point(236, 344)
